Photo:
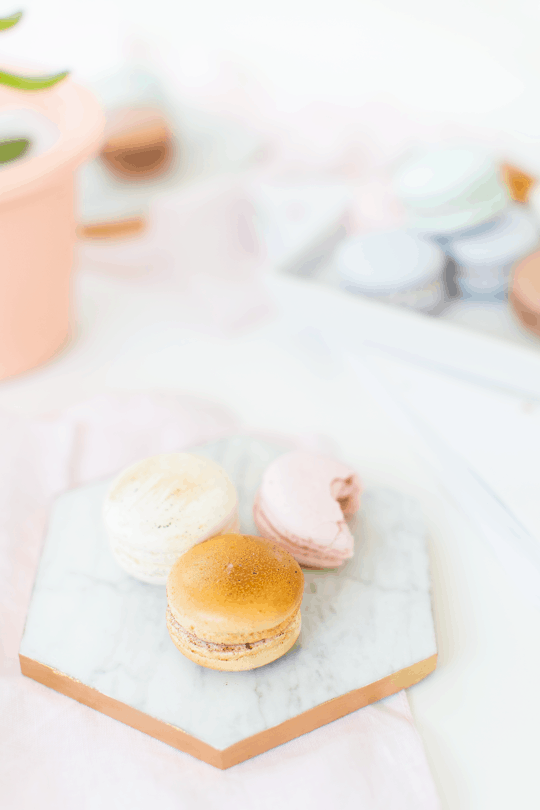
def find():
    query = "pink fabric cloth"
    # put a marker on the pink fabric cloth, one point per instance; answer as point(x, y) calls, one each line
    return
point(56, 753)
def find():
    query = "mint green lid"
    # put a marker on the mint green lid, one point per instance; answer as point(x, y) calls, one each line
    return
point(450, 189)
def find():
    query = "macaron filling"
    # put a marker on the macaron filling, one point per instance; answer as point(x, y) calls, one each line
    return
point(213, 646)
point(346, 491)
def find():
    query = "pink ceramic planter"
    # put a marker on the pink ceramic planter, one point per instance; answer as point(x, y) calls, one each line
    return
point(37, 225)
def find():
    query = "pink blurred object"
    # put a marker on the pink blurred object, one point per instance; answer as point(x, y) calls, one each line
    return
point(206, 233)
point(348, 140)
point(374, 207)
point(201, 244)
point(37, 222)
point(372, 759)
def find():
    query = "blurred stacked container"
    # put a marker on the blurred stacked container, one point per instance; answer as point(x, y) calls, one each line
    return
point(398, 267)
point(485, 257)
point(154, 142)
point(456, 197)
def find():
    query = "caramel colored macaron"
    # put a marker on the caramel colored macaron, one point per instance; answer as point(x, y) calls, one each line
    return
point(233, 602)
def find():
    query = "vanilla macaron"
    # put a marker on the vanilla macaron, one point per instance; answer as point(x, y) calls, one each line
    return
point(233, 602)
point(160, 507)
point(303, 503)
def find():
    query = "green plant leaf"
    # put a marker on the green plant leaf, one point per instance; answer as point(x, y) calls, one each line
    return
point(13, 149)
point(31, 82)
point(9, 22)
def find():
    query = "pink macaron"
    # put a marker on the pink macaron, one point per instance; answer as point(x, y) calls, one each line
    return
point(303, 503)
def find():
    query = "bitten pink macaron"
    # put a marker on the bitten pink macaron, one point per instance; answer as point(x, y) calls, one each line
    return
point(303, 503)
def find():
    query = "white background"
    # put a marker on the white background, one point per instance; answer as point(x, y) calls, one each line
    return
point(476, 63)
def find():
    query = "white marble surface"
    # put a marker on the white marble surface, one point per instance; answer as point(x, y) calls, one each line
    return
point(92, 621)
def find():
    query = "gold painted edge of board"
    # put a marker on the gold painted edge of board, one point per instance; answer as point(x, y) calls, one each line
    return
point(245, 749)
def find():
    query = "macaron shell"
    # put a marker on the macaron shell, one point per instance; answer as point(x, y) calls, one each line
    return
point(153, 567)
point(161, 506)
point(297, 495)
point(235, 658)
point(308, 555)
point(235, 589)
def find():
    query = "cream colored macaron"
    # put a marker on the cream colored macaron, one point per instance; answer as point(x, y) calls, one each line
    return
point(233, 602)
point(160, 507)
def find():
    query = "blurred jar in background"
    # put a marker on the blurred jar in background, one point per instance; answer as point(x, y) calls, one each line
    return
point(158, 143)
point(140, 148)
point(457, 196)
point(397, 267)
point(485, 256)
point(448, 190)
point(156, 140)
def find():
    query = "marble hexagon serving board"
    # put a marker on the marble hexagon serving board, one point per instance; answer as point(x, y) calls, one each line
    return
point(96, 634)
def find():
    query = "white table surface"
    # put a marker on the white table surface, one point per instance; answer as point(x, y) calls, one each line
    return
point(479, 712)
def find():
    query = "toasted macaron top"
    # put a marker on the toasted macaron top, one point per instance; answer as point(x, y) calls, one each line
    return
point(233, 588)
point(309, 495)
point(169, 500)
